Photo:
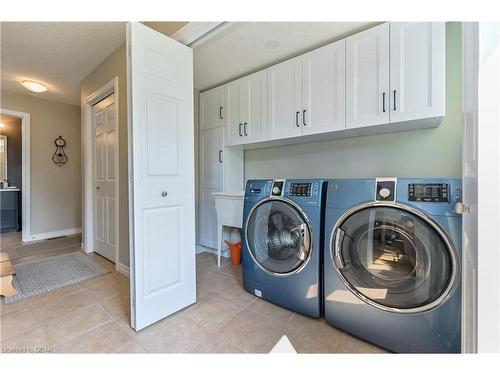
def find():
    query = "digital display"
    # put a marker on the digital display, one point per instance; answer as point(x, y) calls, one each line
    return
point(300, 190)
point(428, 192)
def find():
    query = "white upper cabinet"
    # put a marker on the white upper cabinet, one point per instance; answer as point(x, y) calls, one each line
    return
point(246, 100)
point(212, 108)
point(323, 89)
point(284, 99)
point(233, 113)
point(254, 107)
point(367, 77)
point(418, 75)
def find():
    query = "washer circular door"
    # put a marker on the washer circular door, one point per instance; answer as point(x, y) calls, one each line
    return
point(278, 236)
point(394, 257)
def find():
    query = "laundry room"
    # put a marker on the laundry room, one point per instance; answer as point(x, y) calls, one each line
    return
point(304, 186)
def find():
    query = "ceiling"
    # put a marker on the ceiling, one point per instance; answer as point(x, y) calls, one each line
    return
point(241, 47)
point(59, 54)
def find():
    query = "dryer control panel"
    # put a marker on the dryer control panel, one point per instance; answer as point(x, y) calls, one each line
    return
point(428, 192)
point(300, 189)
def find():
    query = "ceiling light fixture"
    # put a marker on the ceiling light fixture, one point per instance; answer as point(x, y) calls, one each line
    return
point(34, 86)
point(2, 125)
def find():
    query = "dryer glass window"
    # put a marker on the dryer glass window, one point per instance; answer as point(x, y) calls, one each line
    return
point(278, 236)
point(394, 258)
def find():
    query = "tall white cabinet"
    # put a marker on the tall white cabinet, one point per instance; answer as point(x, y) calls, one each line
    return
point(221, 167)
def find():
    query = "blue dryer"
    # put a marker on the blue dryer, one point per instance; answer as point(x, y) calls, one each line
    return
point(392, 262)
point(282, 239)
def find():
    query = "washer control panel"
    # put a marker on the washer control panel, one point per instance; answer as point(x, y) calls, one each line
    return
point(428, 192)
point(300, 189)
point(277, 188)
point(386, 189)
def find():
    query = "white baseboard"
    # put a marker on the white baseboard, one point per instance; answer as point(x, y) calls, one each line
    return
point(123, 269)
point(204, 249)
point(59, 233)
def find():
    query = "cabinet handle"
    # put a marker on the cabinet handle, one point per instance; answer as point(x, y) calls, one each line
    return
point(383, 102)
point(297, 118)
point(239, 129)
point(245, 128)
point(394, 99)
point(220, 113)
point(304, 117)
point(220, 156)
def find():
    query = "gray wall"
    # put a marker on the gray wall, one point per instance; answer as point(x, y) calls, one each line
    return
point(421, 153)
point(55, 191)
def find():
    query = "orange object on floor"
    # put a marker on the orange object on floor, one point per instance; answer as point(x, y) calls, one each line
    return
point(235, 252)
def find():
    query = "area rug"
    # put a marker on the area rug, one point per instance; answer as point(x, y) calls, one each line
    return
point(37, 277)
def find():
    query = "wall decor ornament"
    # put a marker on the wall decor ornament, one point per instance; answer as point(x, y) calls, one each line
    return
point(59, 156)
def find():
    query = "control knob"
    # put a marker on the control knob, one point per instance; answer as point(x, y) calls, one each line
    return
point(384, 192)
point(276, 190)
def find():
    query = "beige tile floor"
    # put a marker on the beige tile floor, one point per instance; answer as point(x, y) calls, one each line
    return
point(93, 317)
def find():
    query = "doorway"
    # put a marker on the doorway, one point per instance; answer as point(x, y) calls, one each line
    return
point(101, 195)
point(15, 170)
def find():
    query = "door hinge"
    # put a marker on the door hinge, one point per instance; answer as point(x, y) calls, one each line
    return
point(130, 51)
point(461, 208)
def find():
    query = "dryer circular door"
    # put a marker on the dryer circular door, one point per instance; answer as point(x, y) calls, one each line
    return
point(278, 236)
point(394, 257)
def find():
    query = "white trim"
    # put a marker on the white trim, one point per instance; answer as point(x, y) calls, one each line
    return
point(88, 157)
point(57, 233)
point(4, 137)
point(123, 269)
point(26, 174)
point(203, 249)
point(195, 33)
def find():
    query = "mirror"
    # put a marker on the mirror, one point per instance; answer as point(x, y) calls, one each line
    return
point(3, 157)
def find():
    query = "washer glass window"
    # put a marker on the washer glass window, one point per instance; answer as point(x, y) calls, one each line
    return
point(278, 236)
point(394, 258)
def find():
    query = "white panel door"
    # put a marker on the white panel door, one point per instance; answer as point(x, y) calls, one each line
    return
point(161, 141)
point(285, 99)
point(254, 107)
point(367, 77)
point(233, 114)
point(105, 165)
point(211, 171)
point(323, 89)
point(212, 108)
point(418, 70)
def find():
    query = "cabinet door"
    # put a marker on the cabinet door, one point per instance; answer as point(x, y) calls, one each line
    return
point(211, 173)
point(367, 77)
point(323, 89)
point(254, 107)
point(284, 99)
point(212, 109)
point(233, 115)
point(418, 75)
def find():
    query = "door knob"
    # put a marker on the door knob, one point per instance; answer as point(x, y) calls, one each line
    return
point(98, 187)
point(164, 193)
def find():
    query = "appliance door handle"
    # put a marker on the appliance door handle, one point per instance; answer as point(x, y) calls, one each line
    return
point(383, 102)
point(305, 241)
point(220, 113)
point(394, 100)
point(245, 128)
point(239, 130)
point(220, 156)
point(304, 117)
point(297, 118)
point(338, 238)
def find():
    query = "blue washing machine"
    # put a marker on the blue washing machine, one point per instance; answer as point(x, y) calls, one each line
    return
point(392, 262)
point(282, 239)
